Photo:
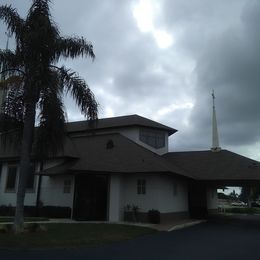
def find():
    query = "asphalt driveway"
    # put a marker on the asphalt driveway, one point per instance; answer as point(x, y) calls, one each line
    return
point(237, 238)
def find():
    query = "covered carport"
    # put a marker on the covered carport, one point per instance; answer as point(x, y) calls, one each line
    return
point(213, 169)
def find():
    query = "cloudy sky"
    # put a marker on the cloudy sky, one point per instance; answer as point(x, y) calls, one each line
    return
point(161, 59)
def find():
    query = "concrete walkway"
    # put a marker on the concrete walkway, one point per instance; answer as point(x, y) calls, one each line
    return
point(177, 224)
point(169, 226)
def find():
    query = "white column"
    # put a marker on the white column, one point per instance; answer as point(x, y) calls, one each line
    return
point(114, 198)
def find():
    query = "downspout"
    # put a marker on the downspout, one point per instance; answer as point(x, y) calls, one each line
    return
point(38, 195)
point(73, 198)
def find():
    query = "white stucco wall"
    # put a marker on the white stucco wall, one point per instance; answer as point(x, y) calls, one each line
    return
point(115, 198)
point(159, 193)
point(52, 191)
point(52, 188)
point(9, 198)
point(212, 198)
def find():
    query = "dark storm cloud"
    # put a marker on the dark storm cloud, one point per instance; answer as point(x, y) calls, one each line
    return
point(216, 46)
point(231, 66)
point(223, 39)
point(128, 66)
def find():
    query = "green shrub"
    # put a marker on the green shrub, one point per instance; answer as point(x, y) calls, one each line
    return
point(34, 227)
point(154, 216)
point(5, 228)
point(241, 210)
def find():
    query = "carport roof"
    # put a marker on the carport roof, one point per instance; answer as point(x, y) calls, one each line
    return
point(219, 166)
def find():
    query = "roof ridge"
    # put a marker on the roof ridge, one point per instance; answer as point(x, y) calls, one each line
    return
point(117, 122)
point(196, 151)
point(103, 118)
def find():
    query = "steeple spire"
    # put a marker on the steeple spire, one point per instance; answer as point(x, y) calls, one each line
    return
point(215, 140)
point(8, 34)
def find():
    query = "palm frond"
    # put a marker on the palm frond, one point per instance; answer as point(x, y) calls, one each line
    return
point(41, 34)
point(13, 106)
point(10, 82)
point(11, 117)
point(12, 19)
point(9, 124)
point(50, 132)
point(10, 60)
point(80, 92)
point(42, 5)
point(72, 47)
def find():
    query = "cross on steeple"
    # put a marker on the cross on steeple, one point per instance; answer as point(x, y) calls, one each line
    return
point(213, 98)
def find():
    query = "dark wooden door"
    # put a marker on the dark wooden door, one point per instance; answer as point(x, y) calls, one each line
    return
point(197, 200)
point(90, 200)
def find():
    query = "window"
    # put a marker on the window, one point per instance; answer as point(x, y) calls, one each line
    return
point(175, 188)
point(152, 137)
point(141, 186)
point(11, 178)
point(31, 179)
point(67, 186)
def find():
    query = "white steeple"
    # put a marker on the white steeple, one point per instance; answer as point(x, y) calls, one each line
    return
point(215, 140)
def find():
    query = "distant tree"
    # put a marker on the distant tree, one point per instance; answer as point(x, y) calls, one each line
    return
point(249, 194)
point(244, 195)
point(233, 195)
point(222, 195)
point(34, 82)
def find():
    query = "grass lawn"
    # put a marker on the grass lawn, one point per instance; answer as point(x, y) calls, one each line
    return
point(72, 235)
point(27, 219)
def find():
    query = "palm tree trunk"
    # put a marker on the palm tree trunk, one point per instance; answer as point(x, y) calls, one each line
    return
point(26, 148)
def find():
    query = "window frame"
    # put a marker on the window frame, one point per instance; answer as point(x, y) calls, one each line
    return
point(11, 190)
point(153, 137)
point(141, 186)
point(67, 187)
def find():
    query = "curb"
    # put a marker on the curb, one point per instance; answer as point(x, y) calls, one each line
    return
point(181, 226)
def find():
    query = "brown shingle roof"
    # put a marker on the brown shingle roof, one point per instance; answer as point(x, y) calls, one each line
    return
point(115, 153)
point(116, 122)
point(208, 165)
point(8, 149)
point(11, 150)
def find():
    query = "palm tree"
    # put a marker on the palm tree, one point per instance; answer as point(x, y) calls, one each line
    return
point(34, 82)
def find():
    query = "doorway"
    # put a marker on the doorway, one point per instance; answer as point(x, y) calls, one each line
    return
point(197, 200)
point(90, 197)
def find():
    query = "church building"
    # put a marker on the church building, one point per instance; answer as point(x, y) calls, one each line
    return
point(123, 164)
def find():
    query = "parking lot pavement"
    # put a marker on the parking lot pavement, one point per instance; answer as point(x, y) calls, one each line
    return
point(220, 238)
